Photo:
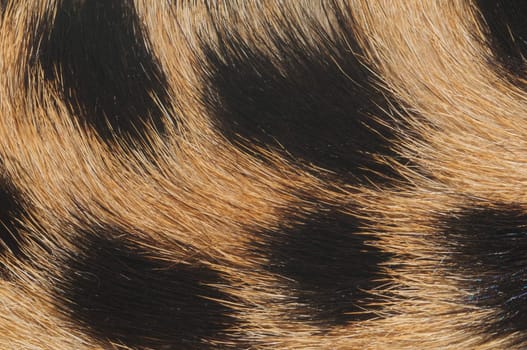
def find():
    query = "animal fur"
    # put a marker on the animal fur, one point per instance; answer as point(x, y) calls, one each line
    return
point(312, 174)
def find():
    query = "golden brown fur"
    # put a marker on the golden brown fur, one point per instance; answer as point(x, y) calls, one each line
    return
point(192, 196)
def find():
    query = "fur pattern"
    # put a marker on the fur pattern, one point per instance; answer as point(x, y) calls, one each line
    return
point(312, 174)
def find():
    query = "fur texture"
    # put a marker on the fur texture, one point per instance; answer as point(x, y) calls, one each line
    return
point(312, 174)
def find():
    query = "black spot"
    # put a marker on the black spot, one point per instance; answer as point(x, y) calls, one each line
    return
point(507, 27)
point(11, 210)
point(118, 292)
point(488, 248)
point(97, 52)
point(330, 267)
point(314, 99)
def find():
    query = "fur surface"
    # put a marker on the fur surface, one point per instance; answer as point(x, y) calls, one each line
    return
point(312, 174)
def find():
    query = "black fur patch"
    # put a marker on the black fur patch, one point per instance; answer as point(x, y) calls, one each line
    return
point(10, 210)
point(118, 292)
point(97, 52)
point(508, 31)
point(313, 100)
point(489, 250)
point(331, 267)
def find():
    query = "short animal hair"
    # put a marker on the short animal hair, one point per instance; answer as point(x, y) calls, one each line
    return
point(311, 174)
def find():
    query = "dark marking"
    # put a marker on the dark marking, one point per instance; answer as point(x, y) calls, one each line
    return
point(489, 250)
point(313, 100)
point(11, 210)
point(505, 20)
point(120, 293)
point(97, 52)
point(329, 265)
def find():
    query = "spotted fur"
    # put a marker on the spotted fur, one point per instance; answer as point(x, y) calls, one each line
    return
point(311, 174)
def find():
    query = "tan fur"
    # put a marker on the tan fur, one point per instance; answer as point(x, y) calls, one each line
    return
point(196, 187)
